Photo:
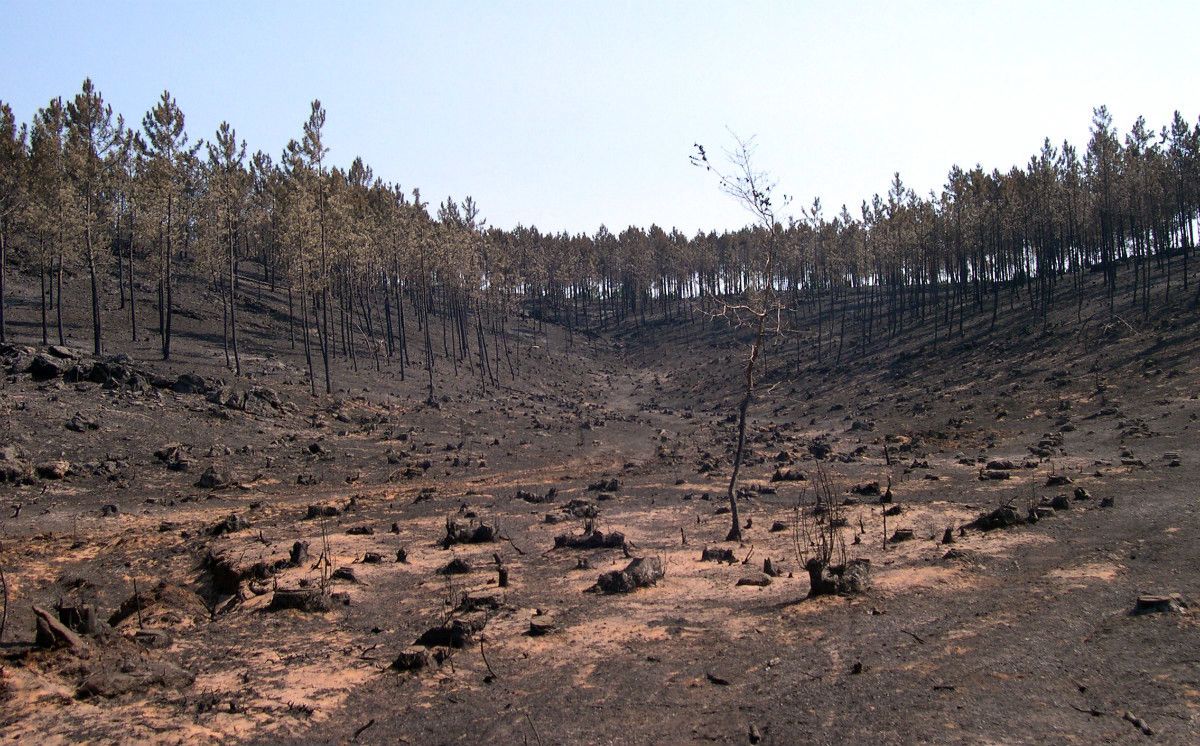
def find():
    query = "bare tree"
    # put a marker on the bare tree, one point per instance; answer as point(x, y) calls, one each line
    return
point(752, 189)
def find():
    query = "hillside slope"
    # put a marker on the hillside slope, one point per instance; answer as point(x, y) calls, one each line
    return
point(1022, 634)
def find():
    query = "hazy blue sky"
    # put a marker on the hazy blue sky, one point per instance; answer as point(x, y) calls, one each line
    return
point(567, 114)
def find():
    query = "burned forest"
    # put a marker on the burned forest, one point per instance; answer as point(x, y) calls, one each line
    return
point(293, 454)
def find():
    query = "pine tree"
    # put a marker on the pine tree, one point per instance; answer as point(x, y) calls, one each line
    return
point(50, 204)
point(1102, 163)
point(167, 161)
point(228, 184)
point(12, 191)
point(90, 136)
point(314, 150)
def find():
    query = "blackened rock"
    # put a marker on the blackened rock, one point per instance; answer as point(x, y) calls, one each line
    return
point(456, 566)
point(231, 524)
point(760, 581)
point(640, 573)
point(175, 456)
point(717, 554)
point(454, 634)
point(214, 479)
point(62, 352)
point(536, 499)
point(820, 450)
point(112, 372)
point(190, 383)
point(43, 367)
point(345, 573)
point(1002, 517)
point(320, 511)
point(302, 599)
point(413, 659)
point(469, 534)
point(15, 471)
point(80, 424)
point(56, 469)
point(257, 400)
point(262, 401)
point(994, 474)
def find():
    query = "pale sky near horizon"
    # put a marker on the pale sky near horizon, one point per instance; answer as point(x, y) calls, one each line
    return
point(566, 115)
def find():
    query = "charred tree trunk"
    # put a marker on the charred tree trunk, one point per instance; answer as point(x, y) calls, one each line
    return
point(167, 299)
point(3, 270)
point(58, 298)
point(291, 319)
point(95, 285)
point(735, 530)
point(132, 292)
point(312, 381)
point(42, 279)
point(237, 360)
